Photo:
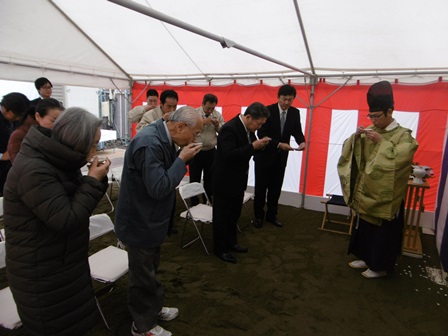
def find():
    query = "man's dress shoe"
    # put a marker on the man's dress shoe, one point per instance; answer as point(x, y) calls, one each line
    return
point(227, 257)
point(276, 222)
point(240, 249)
point(258, 223)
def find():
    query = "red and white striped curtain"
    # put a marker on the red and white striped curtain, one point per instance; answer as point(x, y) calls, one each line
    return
point(422, 108)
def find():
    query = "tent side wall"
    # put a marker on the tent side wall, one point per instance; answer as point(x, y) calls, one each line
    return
point(421, 108)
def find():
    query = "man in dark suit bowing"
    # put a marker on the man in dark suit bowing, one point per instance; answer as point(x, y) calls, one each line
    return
point(236, 145)
point(270, 163)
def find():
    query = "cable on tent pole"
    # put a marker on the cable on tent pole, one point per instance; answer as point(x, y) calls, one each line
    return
point(178, 43)
point(225, 43)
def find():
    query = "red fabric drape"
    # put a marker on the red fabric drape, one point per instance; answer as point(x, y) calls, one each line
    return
point(430, 101)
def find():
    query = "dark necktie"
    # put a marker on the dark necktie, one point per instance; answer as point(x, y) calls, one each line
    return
point(282, 121)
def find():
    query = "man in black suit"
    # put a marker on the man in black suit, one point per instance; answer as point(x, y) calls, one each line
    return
point(236, 144)
point(270, 164)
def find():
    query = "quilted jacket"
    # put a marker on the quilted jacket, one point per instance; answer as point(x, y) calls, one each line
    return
point(47, 205)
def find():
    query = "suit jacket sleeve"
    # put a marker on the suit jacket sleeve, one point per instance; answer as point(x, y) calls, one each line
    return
point(160, 173)
point(229, 140)
point(271, 128)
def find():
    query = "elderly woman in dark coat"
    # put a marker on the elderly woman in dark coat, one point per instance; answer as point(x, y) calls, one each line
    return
point(47, 205)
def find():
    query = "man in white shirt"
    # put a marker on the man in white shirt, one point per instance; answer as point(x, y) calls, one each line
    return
point(136, 114)
point(168, 104)
point(204, 161)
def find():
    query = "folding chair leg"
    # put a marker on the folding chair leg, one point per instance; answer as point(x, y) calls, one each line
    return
point(112, 208)
point(325, 218)
point(102, 315)
point(248, 214)
point(192, 241)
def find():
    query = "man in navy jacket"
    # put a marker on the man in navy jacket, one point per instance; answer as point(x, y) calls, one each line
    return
point(152, 170)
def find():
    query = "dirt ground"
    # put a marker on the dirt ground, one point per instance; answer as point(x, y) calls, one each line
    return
point(294, 281)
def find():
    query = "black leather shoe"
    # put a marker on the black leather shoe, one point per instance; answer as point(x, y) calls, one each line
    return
point(258, 223)
point(227, 257)
point(240, 249)
point(276, 222)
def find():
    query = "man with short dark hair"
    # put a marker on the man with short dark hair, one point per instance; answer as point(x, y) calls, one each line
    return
point(236, 145)
point(204, 161)
point(168, 104)
point(270, 164)
point(136, 114)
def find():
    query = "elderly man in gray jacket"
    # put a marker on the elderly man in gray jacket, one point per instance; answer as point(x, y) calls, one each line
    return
point(152, 170)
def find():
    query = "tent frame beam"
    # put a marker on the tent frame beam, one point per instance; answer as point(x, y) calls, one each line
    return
point(225, 43)
point(305, 39)
point(111, 78)
point(90, 39)
point(284, 76)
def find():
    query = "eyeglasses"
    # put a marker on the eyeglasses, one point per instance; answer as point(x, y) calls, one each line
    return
point(196, 134)
point(46, 87)
point(374, 116)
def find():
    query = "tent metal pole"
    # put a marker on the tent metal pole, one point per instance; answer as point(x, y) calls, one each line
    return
point(217, 77)
point(340, 87)
point(305, 40)
point(225, 43)
point(308, 133)
point(90, 39)
point(308, 141)
point(286, 76)
point(64, 71)
point(385, 73)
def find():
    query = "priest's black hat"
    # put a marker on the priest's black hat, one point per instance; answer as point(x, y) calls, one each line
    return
point(380, 97)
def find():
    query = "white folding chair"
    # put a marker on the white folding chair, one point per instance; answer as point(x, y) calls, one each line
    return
point(247, 196)
point(9, 318)
point(114, 176)
point(181, 183)
point(107, 266)
point(199, 213)
point(100, 225)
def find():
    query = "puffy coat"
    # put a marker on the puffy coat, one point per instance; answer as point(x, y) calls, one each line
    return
point(47, 204)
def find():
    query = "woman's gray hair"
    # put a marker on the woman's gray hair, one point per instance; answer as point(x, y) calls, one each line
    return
point(185, 114)
point(76, 128)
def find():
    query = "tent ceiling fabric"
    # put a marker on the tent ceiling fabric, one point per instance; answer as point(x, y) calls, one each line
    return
point(99, 43)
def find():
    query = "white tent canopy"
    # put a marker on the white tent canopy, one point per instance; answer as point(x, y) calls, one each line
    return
point(99, 43)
